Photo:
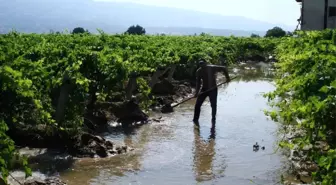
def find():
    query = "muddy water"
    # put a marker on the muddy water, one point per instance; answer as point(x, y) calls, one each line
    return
point(174, 151)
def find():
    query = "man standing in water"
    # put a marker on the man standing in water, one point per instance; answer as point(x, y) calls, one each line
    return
point(207, 75)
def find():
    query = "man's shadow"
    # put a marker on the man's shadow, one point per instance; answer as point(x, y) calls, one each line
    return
point(204, 152)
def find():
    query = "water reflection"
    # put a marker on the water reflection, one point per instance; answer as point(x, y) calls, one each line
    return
point(204, 152)
point(88, 171)
point(253, 72)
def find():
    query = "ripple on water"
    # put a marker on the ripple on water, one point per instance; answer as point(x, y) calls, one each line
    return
point(160, 154)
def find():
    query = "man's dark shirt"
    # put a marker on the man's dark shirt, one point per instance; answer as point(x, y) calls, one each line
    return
point(208, 76)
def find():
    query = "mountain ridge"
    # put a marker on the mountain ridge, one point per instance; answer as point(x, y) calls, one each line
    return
point(115, 17)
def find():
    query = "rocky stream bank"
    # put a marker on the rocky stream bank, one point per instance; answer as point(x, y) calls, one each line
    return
point(301, 167)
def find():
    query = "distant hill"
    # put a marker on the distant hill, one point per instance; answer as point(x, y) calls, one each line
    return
point(58, 15)
point(196, 30)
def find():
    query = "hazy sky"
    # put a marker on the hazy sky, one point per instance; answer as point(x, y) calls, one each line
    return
point(273, 11)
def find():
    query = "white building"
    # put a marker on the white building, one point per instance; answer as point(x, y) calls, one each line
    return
point(317, 14)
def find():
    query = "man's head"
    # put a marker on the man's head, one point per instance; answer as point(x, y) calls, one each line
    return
point(202, 63)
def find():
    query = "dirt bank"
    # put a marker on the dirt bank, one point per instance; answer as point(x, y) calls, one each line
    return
point(79, 145)
point(85, 143)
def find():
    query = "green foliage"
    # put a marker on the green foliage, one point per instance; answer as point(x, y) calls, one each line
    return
point(7, 150)
point(275, 32)
point(35, 67)
point(306, 94)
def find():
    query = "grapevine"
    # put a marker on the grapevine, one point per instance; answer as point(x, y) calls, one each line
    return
point(38, 70)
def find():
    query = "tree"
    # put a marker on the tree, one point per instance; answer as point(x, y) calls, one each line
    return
point(78, 30)
point(275, 32)
point(205, 34)
point(253, 35)
point(136, 30)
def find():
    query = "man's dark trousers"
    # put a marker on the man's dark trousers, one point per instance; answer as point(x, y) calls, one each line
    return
point(200, 99)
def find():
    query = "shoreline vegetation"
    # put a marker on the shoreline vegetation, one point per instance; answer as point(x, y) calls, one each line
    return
point(304, 102)
point(58, 90)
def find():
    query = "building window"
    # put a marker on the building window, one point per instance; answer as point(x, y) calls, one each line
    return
point(332, 11)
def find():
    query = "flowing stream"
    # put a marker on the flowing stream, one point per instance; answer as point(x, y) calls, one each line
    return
point(174, 151)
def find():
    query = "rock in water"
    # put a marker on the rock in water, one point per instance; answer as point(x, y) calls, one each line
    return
point(35, 182)
point(99, 139)
point(124, 148)
point(54, 181)
point(163, 87)
point(48, 181)
point(129, 112)
point(85, 138)
point(109, 145)
point(89, 145)
point(182, 90)
point(167, 108)
point(101, 151)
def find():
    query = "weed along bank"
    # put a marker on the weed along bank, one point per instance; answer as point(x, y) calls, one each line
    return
point(317, 14)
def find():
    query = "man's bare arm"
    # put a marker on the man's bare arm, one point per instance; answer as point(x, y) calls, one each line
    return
point(223, 69)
